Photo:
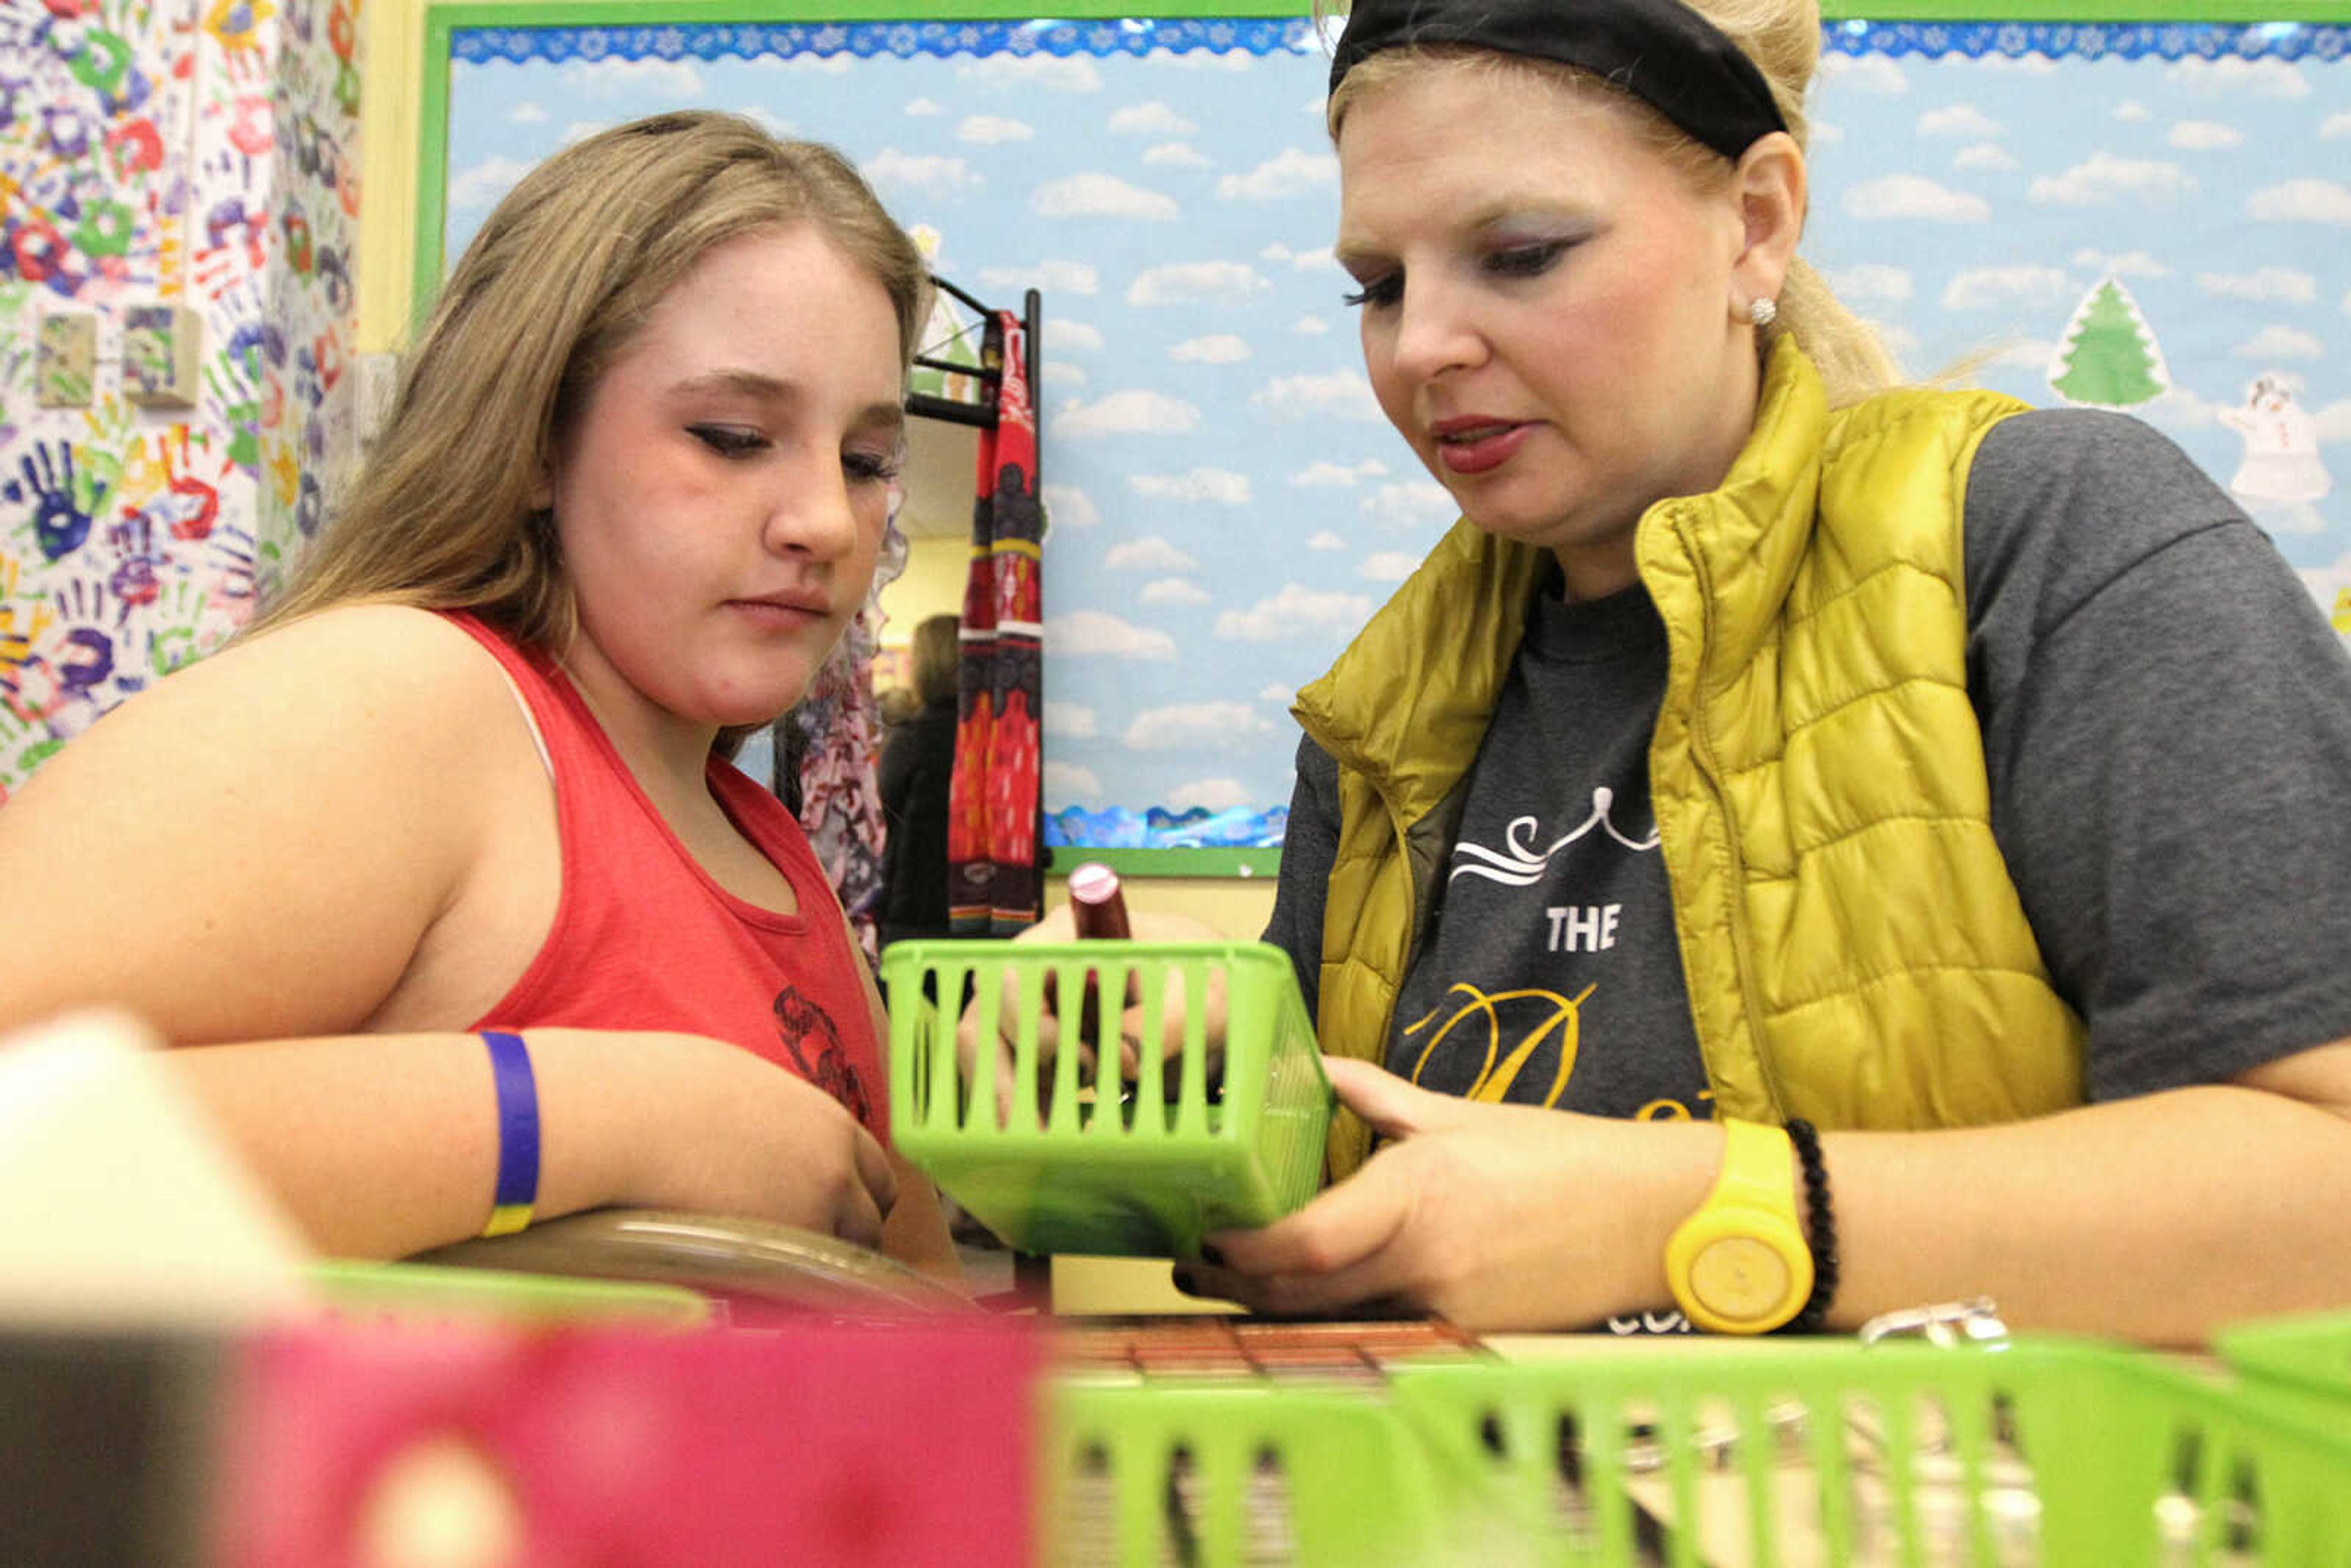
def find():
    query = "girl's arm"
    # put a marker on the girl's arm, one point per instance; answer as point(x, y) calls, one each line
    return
point(249, 858)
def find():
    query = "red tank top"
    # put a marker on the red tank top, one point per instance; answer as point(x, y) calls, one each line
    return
point(644, 939)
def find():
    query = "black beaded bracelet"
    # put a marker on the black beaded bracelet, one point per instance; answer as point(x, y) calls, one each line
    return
point(1820, 1223)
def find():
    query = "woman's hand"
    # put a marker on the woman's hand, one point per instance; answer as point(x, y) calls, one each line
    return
point(1499, 1218)
point(733, 1134)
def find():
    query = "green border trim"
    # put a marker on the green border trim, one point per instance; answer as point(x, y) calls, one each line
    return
point(1248, 864)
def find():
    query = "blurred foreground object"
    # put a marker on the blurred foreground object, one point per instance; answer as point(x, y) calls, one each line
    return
point(119, 1204)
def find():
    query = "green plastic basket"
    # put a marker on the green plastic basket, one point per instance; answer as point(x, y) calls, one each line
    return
point(1054, 1156)
point(2310, 1352)
point(2056, 1453)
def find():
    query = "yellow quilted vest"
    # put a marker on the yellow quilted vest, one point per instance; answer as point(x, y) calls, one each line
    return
point(1854, 950)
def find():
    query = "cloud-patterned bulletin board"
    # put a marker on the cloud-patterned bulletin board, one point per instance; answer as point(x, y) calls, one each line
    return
point(2149, 215)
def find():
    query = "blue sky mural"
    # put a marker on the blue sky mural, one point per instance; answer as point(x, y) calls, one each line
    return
point(2149, 215)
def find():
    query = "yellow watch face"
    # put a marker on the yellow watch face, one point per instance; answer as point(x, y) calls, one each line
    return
point(1738, 1264)
point(1738, 1278)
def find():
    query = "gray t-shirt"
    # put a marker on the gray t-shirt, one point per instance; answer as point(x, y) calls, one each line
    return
point(2167, 722)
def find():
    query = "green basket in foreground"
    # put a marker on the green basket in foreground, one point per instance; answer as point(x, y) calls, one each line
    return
point(1060, 1152)
point(2059, 1453)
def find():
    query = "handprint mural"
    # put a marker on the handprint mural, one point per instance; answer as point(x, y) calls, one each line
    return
point(149, 163)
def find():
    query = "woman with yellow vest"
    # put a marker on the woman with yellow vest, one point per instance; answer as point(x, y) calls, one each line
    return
point(1797, 849)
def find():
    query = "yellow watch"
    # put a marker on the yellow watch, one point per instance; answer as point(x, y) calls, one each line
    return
point(1739, 1264)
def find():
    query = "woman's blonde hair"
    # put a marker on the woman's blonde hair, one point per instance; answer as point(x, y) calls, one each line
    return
point(937, 646)
point(1783, 39)
point(546, 296)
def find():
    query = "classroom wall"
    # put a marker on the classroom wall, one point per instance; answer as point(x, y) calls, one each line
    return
point(155, 152)
point(932, 584)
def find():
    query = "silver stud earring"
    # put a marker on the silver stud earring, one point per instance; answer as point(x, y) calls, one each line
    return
point(1762, 311)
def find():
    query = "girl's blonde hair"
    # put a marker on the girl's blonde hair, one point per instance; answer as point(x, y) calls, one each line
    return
point(1783, 39)
point(546, 296)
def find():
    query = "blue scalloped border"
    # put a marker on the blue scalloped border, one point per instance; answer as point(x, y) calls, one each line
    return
point(1266, 35)
point(902, 40)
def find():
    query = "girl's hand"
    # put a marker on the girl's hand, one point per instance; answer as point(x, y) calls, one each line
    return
point(733, 1134)
point(1498, 1217)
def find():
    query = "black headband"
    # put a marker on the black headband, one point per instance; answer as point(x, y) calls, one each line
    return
point(1661, 51)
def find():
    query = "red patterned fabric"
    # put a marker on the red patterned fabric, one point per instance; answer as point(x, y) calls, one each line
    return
point(644, 938)
point(992, 859)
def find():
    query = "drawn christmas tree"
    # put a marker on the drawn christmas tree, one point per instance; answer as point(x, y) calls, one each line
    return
point(2107, 356)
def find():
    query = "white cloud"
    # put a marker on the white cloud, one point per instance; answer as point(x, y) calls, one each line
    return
point(1133, 412)
point(1063, 335)
point(2301, 200)
point(1324, 539)
point(1412, 504)
point(1389, 566)
point(1914, 197)
point(2203, 136)
point(1200, 59)
point(2268, 77)
point(2101, 177)
point(1191, 282)
point(2335, 125)
point(1280, 254)
point(2027, 354)
point(1100, 196)
point(1870, 281)
point(1989, 156)
point(484, 182)
point(1073, 721)
point(924, 109)
point(1344, 394)
point(1311, 325)
point(1874, 74)
point(1959, 119)
point(1978, 286)
point(1188, 726)
point(1208, 794)
point(2266, 284)
point(1173, 590)
point(527, 113)
point(1151, 119)
point(1217, 349)
point(1149, 553)
point(610, 78)
point(1280, 695)
point(1174, 155)
point(1070, 507)
point(581, 129)
point(1293, 171)
point(1219, 485)
point(2276, 342)
point(1052, 73)
point(1293, 610)
point(1049, 277)
point(992, 129)
point(893, 169)
point(1068, 782)
point(774, 124)
point(2128, 264)
point(1326, 476)
point(1092, 632)
point(2131, 112)
point(2333, 423)
point(1061, 373)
